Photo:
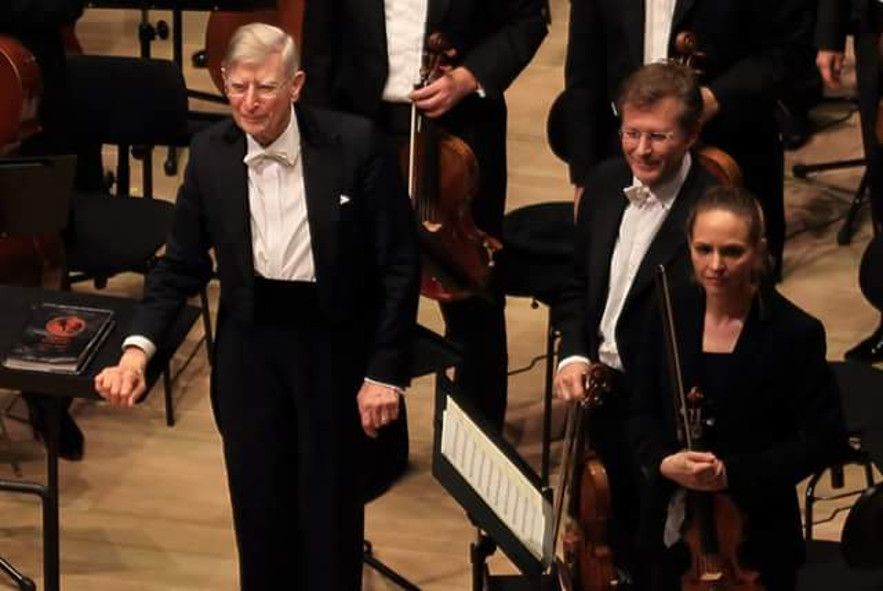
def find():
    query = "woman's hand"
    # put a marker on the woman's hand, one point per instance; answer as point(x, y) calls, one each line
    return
point(695, 470)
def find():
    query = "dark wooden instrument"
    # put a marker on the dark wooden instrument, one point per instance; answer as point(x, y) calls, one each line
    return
point(714, 524)
point(588, 560)
point(288, 16)
point(442, 174)
point(34, 260)
point(721, 165)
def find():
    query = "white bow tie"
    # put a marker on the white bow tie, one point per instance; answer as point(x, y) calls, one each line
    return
point(637, 194)
point(280, 156)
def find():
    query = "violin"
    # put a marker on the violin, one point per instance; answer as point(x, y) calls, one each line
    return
point(721, 165)
point(714, 525)
point(442, 173)
point(288, 16)
point(588, 560)
point(24, 260)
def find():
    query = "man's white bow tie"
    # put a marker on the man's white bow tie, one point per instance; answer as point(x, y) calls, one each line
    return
point(280, 156)
point(637, 194)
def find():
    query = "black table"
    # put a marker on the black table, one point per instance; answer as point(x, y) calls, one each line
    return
point(15, 303)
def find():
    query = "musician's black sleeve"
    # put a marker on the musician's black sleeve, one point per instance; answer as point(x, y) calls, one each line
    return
point(25, 15)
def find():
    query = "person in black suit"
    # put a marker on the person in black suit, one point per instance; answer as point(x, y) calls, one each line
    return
point(748, 47)
point(630, 220)
point(770, 408)
point(865, 19)
point(365, 57)
point(318, 266)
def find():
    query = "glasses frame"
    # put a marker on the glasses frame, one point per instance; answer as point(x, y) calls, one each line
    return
point(633, 136)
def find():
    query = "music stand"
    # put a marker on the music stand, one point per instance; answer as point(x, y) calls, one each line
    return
point(500, 492)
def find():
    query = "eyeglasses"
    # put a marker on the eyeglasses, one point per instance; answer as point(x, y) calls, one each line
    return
point(633, 137)
point(263, 90)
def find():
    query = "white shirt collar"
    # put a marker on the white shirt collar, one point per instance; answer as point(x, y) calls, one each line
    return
point(664, 193)
point(285, 148)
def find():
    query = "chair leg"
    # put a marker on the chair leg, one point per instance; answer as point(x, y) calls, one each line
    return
point(207, 324)
point(4, 434)
point(547, 401)
point(167, 392)
point(809, 501)
point(844, 236)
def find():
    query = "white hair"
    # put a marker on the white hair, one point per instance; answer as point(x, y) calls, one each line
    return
point(255, 42)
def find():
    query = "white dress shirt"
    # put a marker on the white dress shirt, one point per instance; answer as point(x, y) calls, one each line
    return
point(644, 215)
point(658, 16)
point(405, 34)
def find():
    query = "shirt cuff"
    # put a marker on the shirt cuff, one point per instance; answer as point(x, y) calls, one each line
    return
point(571, 360)
point(398, 389)
point(482, 94)
point(141, 342)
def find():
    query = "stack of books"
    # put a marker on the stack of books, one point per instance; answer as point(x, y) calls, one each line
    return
point(59, 339)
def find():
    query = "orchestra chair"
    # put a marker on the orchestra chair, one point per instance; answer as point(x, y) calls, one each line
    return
point(861, 390)
point(856, 562)
point(536, 262)
point(125, 102)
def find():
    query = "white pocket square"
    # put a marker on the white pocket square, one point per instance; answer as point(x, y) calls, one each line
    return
point(344, 199)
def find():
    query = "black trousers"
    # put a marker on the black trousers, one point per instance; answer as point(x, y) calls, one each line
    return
point(869, 75)
point(477, 324)
point(289, 428)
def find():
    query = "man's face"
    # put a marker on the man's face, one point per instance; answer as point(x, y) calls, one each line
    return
point(653, 142)
point(260, 96)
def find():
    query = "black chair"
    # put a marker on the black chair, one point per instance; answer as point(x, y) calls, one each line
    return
point(128, 102)
point(861, 388)
point(856, 562)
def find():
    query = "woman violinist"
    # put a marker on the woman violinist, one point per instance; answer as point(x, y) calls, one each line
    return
point(770, 408)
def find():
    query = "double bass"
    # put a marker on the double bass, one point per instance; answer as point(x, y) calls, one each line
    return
point(34, 260)
point(715, 525)
point(588, 560)
point(442, 175)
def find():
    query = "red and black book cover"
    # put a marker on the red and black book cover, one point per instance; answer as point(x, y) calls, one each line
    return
point(59, 338)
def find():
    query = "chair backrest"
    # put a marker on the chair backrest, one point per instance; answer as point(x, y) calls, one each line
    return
point(127, 101)
point(862, 539)
point(35, 194)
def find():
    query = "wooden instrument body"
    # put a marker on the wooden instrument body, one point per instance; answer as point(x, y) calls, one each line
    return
point(35, 260)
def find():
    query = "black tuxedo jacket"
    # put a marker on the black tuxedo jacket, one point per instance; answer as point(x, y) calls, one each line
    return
point(600, 213)
point(781, 422)
point(361, 226)
point(345, 54)
point(749, 45)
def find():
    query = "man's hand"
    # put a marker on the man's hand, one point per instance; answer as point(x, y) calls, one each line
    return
point(710, 106)
point(695, 470)
point(123, 384)
point(830, 65)
point(378, 407)
point(570, 383)
point(443, 94)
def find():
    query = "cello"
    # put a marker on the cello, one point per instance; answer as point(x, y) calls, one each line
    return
point(35, 260)
point(588, 560)
point(442, 175)
point(714, 525)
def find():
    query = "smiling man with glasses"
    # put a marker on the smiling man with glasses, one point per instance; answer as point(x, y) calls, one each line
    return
point(631, 219)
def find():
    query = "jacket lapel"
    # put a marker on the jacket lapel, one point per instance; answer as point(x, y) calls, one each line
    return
point(605, 230)
point(321, 167)
point(234, 173)
point(633, 23)
point(435, 14)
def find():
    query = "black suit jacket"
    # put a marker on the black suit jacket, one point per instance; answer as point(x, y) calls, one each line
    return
point(782, 423)
point(364, 250)
point(749, 45)
point(600, 213)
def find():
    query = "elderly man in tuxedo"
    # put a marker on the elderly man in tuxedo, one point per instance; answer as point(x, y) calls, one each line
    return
point(864, 19)
point(365, 57)
point(313, 240)
point(747, 47)
point(630, 220)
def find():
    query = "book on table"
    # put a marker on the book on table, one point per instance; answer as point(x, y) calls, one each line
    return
point(59, 338)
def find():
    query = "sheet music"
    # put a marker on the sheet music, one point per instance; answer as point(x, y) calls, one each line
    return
point(508, 492)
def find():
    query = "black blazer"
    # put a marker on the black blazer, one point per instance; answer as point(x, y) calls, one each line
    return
point(749, 45)
point(365, 255)
point(344, 46)
point(785, 424)
point(600, 213)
